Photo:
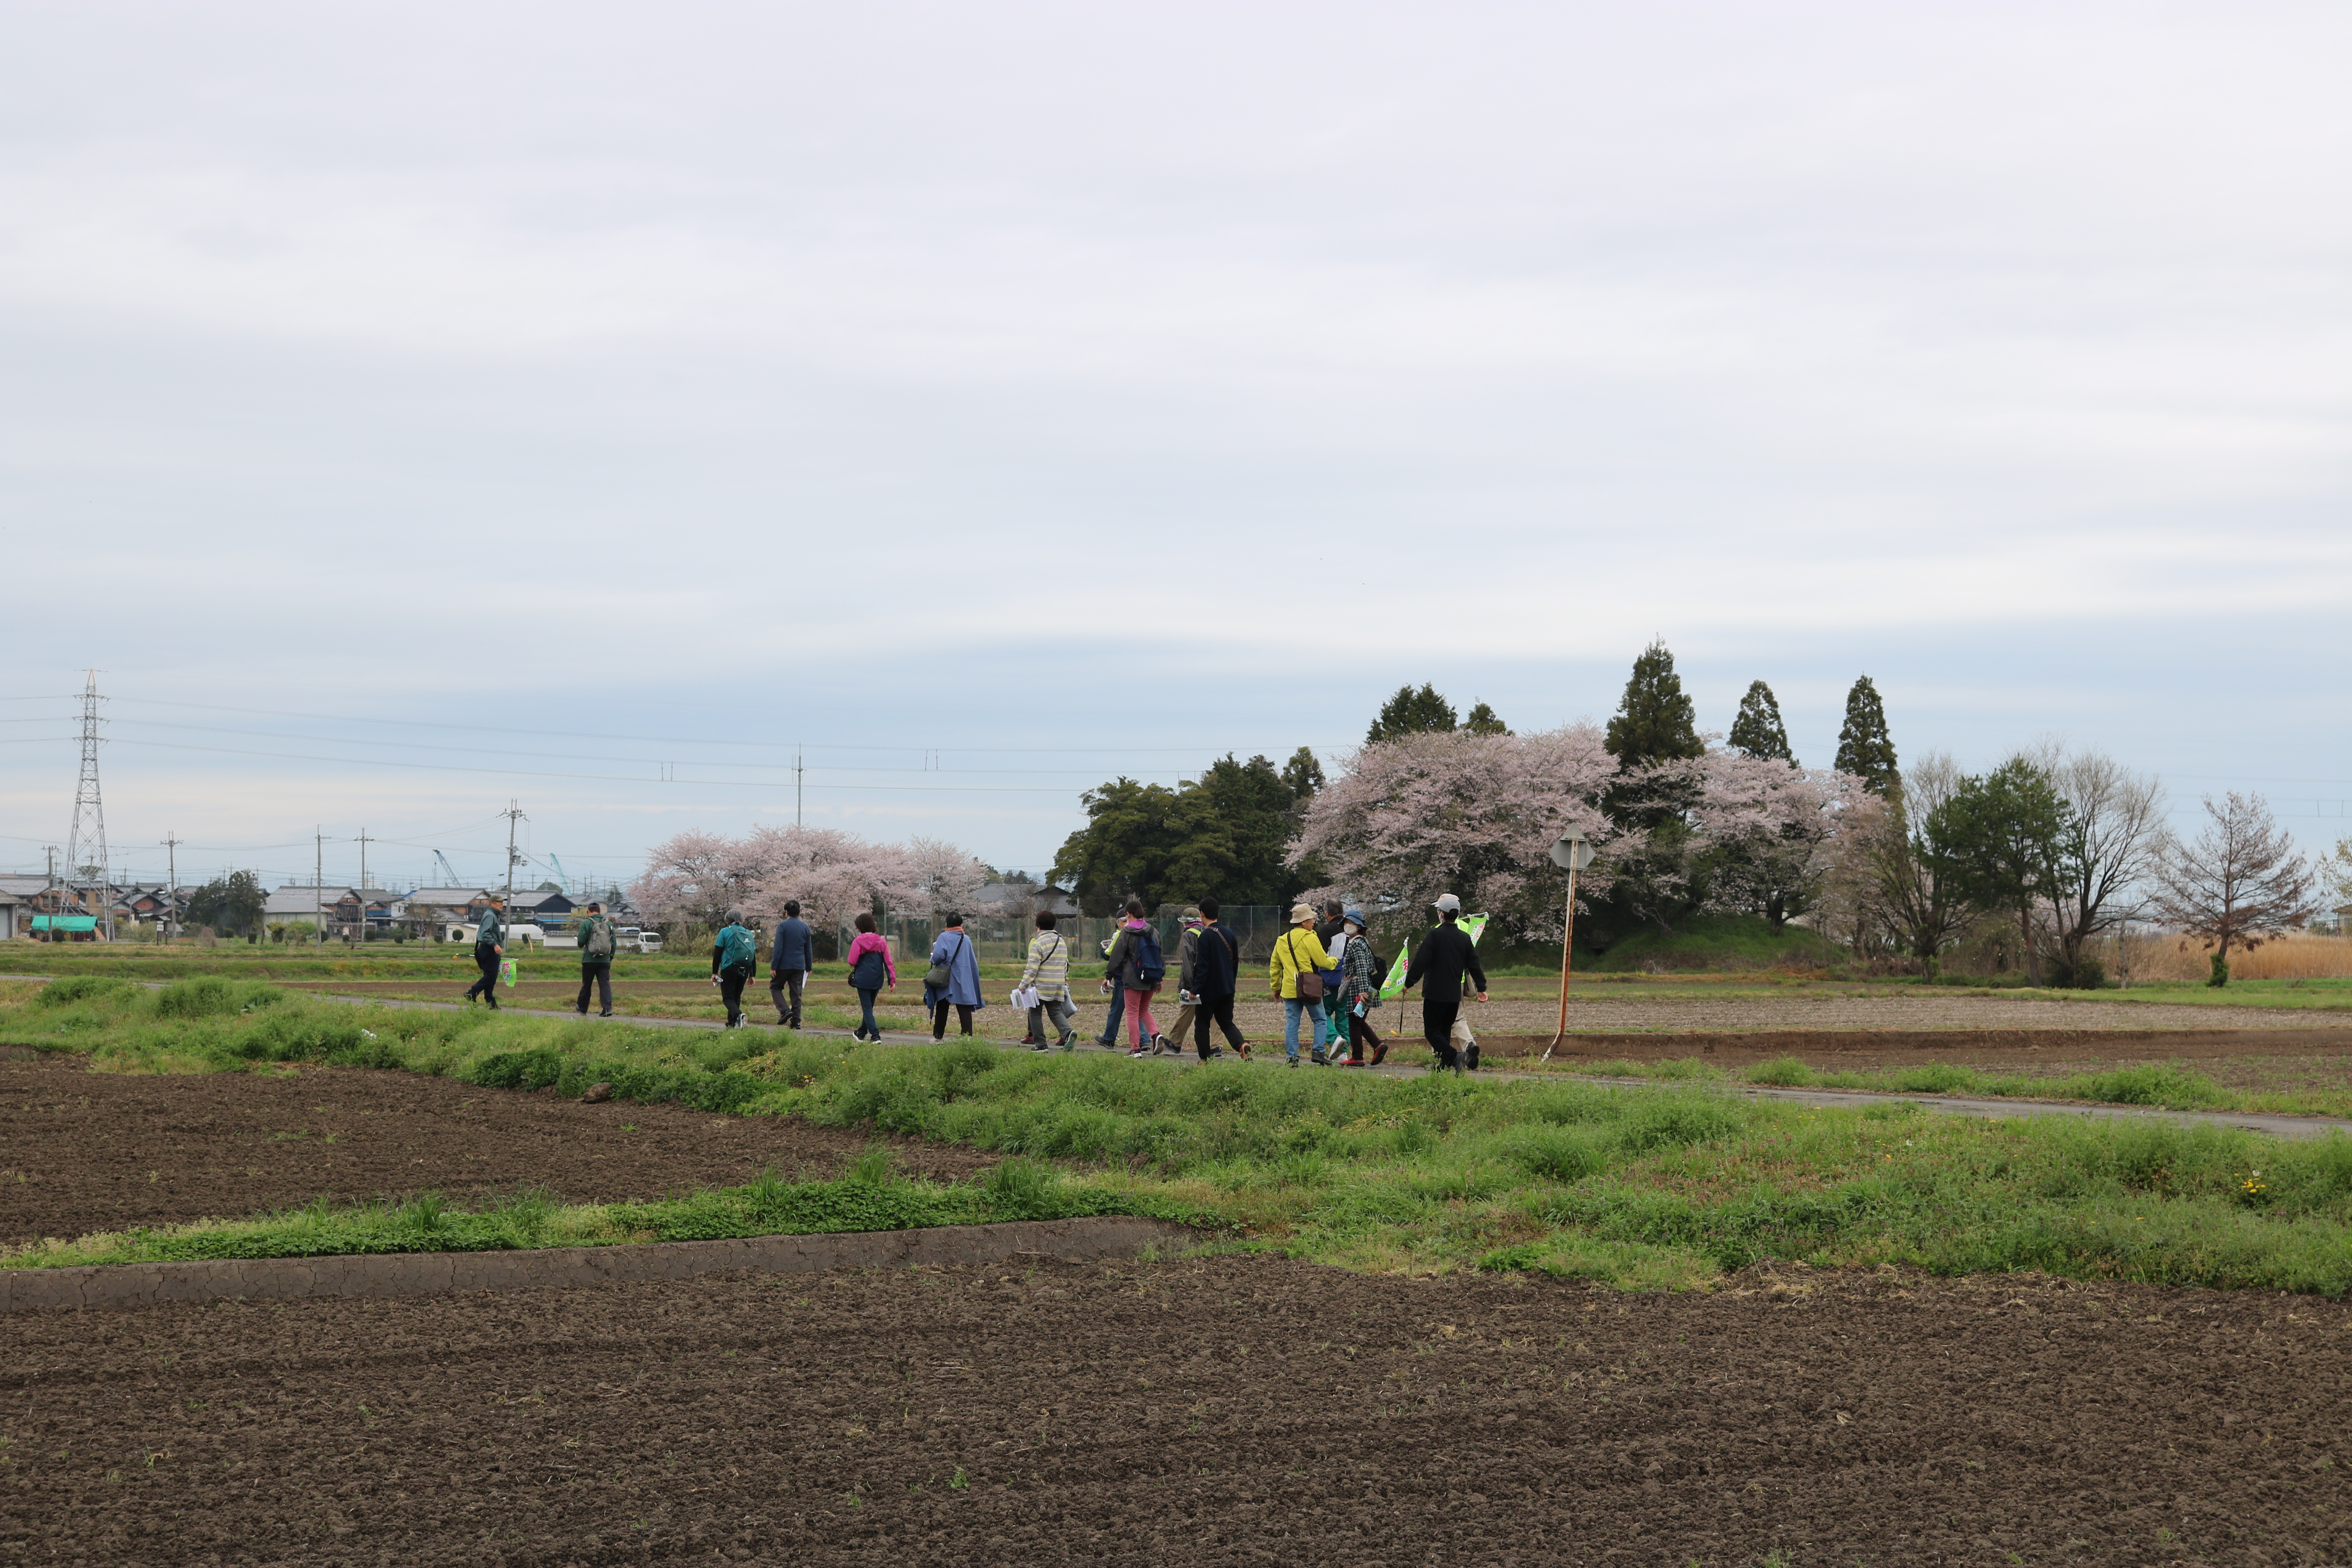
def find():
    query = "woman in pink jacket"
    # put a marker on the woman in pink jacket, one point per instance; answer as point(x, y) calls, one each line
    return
point(870, 968)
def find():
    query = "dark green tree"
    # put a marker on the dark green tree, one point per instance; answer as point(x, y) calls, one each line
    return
point(1484, 720)
point(1411, 712)
point(1221, 835)
point(2003, 834)
point(1863, 745)
point(1655, 729)
point(231, 905)
point(1759, 731)
point(1303, 773)
point(1233, 824)
point(1654, 722)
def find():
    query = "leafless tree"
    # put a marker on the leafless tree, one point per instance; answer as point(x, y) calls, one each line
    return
point(2112, 844)
point(2240, 881)
point(1915, 894)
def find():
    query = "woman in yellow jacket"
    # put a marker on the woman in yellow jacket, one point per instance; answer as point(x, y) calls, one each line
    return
point(1298, 952)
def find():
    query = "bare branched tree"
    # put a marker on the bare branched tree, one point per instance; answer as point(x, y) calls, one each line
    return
point(2239, 882)
point(1918, 895)
point(2109, 850)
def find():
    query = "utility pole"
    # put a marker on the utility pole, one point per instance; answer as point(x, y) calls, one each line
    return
point(172, 893)
point(513, 814)
point(796, 784)
point(318, 888)
point(86, 846)
point(52, 893)
point(361, 889)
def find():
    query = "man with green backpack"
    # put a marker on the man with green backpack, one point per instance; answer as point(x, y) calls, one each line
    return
point(734, 959)
point(596, 945)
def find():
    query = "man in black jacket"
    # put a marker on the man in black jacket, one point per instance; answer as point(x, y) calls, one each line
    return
point(1215, 975)
point(1445, 957)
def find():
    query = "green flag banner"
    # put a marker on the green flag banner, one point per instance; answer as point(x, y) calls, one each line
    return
point(1393, 986)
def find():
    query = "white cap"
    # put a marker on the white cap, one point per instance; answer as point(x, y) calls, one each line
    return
point(1449, 903)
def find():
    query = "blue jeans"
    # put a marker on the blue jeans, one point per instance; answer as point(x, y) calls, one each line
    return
point(1291, 1007)
point(866, 1000)
point(1109, 1036)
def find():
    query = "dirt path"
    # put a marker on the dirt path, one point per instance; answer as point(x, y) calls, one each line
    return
point(92, 1151)
point(1227, 1411)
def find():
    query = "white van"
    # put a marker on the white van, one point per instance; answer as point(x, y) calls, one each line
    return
point(636, 938)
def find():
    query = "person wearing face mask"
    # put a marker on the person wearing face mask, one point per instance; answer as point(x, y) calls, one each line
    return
point(1359, 992)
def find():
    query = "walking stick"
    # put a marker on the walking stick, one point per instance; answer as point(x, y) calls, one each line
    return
point(1575, 854)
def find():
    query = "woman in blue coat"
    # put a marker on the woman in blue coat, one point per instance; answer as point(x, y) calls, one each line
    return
point(953, 949)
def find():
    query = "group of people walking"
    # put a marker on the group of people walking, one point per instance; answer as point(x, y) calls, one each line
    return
point(1323, 970)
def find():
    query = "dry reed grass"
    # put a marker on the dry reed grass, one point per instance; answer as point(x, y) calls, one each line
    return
point(2302, 957)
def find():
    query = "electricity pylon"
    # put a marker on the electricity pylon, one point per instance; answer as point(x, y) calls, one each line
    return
point(86, 846)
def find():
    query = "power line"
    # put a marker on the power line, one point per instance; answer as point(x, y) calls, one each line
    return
point(688, 741)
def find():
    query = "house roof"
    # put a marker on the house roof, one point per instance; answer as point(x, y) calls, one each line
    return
point(448, 897)
point(304, 900)
point(23, 884)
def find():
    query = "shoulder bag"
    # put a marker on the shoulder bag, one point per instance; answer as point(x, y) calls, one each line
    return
point(1310, 984)
point(937, 976)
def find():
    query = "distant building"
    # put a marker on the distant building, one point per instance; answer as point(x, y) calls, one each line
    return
point(1020, 901)
point(306, 902)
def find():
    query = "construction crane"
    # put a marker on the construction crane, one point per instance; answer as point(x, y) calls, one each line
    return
point(447, 869)
point(561, 875)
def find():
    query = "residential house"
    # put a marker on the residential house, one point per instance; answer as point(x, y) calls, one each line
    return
point(303, 902)
point(429, 908)
point(544, 908)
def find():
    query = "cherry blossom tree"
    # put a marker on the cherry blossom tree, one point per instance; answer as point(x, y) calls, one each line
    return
point(946, 877)
point(1471, 815)
point(834, 876)
point(1767, 827)
point(694, 877)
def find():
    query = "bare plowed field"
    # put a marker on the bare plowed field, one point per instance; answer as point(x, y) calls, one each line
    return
point(1227, 1411)
point(89, 1151)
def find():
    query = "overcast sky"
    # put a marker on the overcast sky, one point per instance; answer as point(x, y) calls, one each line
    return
point(410, 408)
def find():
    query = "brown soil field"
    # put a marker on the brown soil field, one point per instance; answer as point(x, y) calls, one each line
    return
point(95, 1151)
point(1218, 1411)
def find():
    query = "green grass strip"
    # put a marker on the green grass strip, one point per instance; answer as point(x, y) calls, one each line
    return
point(1661, 1187)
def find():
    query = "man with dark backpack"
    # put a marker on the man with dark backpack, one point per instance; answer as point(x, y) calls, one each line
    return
point(1137, 969)
point(1214, 975)
point(596, 944)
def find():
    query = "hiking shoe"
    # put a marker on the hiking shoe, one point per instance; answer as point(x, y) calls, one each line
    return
point(1068, 1042)
point(1470, 1057)
point(1041, 1045)
point(1320, 1059)
point(606, 1014)
point(1380, 1053)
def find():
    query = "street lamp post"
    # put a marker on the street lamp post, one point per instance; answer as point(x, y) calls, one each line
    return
point(1570, 854)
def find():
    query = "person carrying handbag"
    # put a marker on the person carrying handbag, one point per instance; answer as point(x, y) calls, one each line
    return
point(954, 978)
point(1047, 973)
point(870, 968)
point(1294, 974)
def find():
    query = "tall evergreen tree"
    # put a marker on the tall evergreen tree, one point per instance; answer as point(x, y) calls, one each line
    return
point(1412, 713)
point(1484, 720)
point(1303, 773)
point(1863, 745)
point(1759, 731)
point(1654, 723)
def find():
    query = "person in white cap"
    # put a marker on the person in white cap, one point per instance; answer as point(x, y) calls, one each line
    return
point(1444, 958)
